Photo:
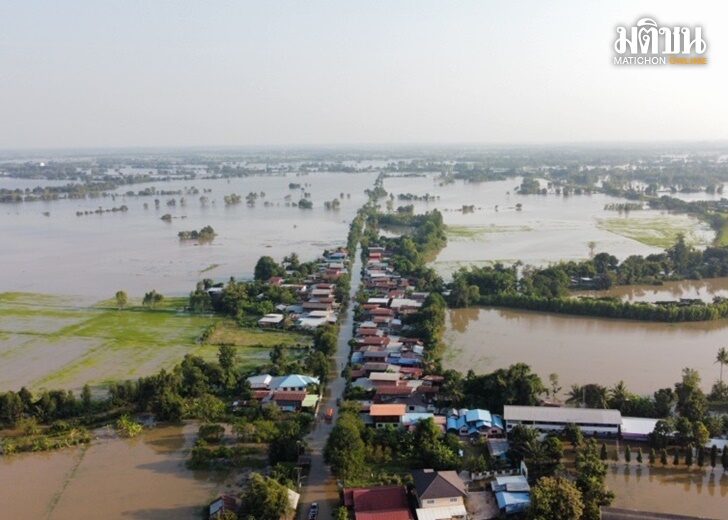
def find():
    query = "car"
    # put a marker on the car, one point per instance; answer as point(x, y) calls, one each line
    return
point(313, 511)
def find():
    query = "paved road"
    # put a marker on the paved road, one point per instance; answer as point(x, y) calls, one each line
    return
point(320, 485)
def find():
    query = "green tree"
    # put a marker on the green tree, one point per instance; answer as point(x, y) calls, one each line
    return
point(652, 456)
point(639, 456)
point(266, 268)
point(573, 434)
point(722, 359)
point(555, 499)
point(555, 387)
point(86, 398)
point(344, 450)
point(701, 435)
point(152, 298)
point(121, 299)
point(713, 457)
point(227, 356)
point(590, 475)
point(627, 454)
point(342, 513)
point(603, 454)
point(264, 499)
point(663, 457)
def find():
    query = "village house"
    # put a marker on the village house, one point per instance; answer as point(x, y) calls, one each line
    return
point(386, 415)
point(378, 503)
point(440, 495)
point(512, 493)
point(475, 422)
point(292, 382)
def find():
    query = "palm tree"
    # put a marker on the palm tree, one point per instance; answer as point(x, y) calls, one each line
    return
point(722, 358)
point(619, 395)
point(575, 395)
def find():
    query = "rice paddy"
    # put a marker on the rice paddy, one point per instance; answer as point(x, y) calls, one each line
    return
point(50, 342)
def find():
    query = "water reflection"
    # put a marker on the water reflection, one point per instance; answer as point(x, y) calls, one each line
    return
point(670, 490)
point(647, 356)
point(705, 290)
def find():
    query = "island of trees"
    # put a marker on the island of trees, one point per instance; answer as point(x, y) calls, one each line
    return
point(206, 234)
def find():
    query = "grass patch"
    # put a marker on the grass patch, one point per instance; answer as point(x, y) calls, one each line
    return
point(659, 232)
point(228, 332)
point(68, 347)
point(721, 238)
point(476, 232)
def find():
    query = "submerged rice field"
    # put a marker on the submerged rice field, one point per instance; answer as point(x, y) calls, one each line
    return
point(52, 342)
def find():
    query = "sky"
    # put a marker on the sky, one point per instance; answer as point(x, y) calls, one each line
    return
point(128, 73)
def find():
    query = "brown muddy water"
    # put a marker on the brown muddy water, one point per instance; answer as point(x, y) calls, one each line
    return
point(96, 255)
point(647, 356)
point(547, 228)
point(705, 290)
point(697, 492)
point(140, 478)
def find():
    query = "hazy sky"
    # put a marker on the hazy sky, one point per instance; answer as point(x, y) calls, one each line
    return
point(156, 73)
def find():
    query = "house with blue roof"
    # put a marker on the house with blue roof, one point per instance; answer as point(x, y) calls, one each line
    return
point(513, 502)
point(475, 422)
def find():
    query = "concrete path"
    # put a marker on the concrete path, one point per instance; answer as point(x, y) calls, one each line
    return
point(320, 485)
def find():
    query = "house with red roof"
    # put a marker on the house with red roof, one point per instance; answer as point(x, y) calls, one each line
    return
point(378, 503)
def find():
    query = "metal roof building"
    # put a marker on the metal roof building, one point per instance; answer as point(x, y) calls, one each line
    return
point(546, 418)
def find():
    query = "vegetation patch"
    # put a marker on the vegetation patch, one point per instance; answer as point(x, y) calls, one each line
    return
point(659, 232)
point(120, 344)
point(477, 232)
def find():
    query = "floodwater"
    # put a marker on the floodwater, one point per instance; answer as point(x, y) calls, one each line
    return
point(96, 255)
point(647, 356)
point(705, 290)
point(547, 229)
point(696, 492)
point(140, 478)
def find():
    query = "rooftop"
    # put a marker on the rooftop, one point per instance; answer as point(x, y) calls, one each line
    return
point(431, 484)
point(562, 415)
point(387, 410)
point(437, 513)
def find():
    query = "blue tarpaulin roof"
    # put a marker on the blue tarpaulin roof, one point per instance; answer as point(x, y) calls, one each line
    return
point(507, 499)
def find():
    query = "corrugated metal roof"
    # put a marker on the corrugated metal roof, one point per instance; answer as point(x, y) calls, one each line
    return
point(438, 513)
point(562, 415)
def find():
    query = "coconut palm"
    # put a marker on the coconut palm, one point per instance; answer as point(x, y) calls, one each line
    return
point(619, 395)
point(722, 358)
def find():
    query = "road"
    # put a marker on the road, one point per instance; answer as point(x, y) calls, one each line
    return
point(320, 485)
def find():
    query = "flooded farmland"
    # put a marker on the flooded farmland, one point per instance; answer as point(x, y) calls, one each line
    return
point(95, 255)
point(143, 477)
point(705, 290)
point(546, 229)
point(647, 356)
point(685, 492)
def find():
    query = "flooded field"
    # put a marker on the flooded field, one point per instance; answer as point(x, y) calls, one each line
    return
point(705, 290)
point(698, 492)
point(647, 356)
point(98, 254)
point(546, 228)
point(140, 478)
point(52, 342)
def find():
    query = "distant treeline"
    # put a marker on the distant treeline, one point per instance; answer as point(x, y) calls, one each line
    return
point(548, 289)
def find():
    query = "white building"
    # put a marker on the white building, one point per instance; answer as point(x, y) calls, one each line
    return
point(592, 421)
